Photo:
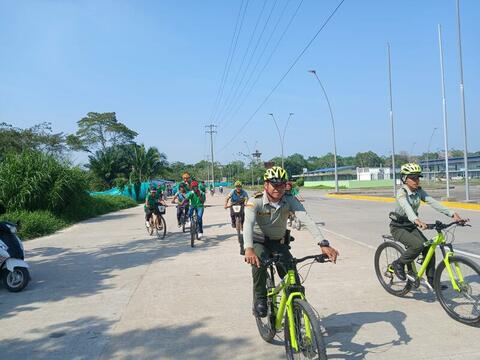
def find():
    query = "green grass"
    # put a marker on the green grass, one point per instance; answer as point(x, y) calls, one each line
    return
point(41, 222)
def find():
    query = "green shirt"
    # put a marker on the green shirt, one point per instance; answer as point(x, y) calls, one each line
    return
point(151, 200)
point(408, 202)
point(195, 200)
point(263, 218)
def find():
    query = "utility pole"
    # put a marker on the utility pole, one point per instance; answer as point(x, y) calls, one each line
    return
point(391, 120)
point(212, 130)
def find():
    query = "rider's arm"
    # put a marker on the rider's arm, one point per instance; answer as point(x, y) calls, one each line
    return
point(250, 213)
point(227, 198)
point(435, 204)
point(305, 219)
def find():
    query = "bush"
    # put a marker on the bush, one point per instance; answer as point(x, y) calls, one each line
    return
point(300, 181)
point(35, 181)
point(35, 223)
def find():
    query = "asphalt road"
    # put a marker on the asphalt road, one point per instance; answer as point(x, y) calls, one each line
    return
point(104, 289)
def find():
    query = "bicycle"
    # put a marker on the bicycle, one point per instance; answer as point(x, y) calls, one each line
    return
point(157, 223)
point(183, 216)
point(457, 278)
point(238, 210)
point(193, 227)
point(294, 222)
point(292, 312)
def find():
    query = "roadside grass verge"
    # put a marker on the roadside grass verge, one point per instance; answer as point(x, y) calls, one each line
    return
point(43, 222)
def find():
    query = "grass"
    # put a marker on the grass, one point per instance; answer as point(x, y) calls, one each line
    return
point(42, 222)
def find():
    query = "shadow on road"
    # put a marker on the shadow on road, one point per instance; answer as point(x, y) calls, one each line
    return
point(343, 328)
point(90, 338)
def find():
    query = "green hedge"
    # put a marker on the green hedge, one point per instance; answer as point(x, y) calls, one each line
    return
point(41, 222)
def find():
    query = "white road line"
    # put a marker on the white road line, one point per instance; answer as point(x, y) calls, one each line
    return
point(374, 248)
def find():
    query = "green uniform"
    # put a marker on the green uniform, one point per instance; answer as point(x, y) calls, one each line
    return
point(195, 200)
point(405, 231)
point(151, 200)
point(265, 231)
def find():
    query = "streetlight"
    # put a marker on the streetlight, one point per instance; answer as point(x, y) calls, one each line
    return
point(333, 128)
point(251, 159)
point(280, 135)
point(428, 151)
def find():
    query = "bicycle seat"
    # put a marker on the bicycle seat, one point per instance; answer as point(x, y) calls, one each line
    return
point(388, 237)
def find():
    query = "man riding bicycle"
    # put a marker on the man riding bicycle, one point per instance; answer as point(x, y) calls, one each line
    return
point(238, 196)
point(152, 201)
point(182, 203)
point(196, 199)
point(265, 231)
point(405, 223)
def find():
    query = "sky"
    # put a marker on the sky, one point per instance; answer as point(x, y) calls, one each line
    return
point(159, 66)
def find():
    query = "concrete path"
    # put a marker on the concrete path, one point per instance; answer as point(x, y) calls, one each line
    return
point(104, 289)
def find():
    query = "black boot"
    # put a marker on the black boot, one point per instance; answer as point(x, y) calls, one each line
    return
point(399, 270)
point(260, 307)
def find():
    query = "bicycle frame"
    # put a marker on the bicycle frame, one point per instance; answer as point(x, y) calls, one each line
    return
point(286, 304)
point(439, 240)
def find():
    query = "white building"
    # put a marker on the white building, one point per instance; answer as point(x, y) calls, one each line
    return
point(368, 174)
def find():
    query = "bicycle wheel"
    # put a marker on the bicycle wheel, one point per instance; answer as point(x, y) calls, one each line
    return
point(266, 325)
point(184, 220)
point(193, 229)
point(462, 305)
point(386, 253)
point(161, 227)
point(307, 333)
point(297, 223)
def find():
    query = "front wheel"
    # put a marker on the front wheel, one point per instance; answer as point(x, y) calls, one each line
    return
point(266, 325)
point(16, 280)
point(463, 303)
point(161, 227)
point(305, 332)
point(386, 253)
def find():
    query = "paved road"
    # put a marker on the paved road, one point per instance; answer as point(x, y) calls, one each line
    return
point(103, 289)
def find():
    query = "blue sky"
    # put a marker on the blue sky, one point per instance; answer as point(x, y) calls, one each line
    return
point(158, 65)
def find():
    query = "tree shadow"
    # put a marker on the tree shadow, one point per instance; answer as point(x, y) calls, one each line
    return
point(91, 338)
point(342, 329)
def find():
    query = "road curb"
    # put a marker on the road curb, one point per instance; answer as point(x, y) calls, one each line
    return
point(450, 204)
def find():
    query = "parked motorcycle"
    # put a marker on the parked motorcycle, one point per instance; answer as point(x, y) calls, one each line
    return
point(13, 269)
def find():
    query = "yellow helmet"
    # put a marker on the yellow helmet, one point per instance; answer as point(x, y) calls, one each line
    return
point(275, 174)
point(238, 183)
point(411, 169)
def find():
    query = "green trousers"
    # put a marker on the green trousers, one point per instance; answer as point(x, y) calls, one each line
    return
point(263, 251)
point(413, 240)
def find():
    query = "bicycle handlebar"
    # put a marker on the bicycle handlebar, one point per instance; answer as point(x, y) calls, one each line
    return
point(321, 258)
point(441, 226)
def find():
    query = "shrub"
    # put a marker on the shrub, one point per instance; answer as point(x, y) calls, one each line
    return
point(35, 223)
point(300, 181)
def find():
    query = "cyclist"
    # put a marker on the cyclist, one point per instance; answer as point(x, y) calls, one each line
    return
point(291, 189)
point(182, 203)
point(196, 199)
point(265, 231)
point(186, 180)
point(405, 223)
point(152, 201)
point(238, 196)
point(220, 188)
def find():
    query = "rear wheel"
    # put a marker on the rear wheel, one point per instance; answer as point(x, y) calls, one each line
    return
point(386, 253)
point(307, 334)
point(463, 304)
point(266, 325)
point(16, 280)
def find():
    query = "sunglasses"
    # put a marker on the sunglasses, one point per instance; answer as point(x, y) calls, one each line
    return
point(414, 177)
point(278, 183)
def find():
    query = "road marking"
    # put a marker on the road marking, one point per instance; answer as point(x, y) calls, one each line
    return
point(452, 204)
point(374, 248)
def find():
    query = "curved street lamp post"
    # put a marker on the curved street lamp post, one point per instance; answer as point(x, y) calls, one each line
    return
point(281, 136)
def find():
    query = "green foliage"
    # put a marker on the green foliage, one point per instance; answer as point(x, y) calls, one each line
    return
point(300, 181)
point(36, 223)
point(36, 181)
point(368, 159)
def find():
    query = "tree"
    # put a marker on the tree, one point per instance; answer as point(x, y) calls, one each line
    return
point(368, 159)
point(107, 166)
point(100, 131)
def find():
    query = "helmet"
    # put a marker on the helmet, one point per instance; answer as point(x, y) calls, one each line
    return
point(194, 183)
point(411, 169)
point(275, 174)
point(238, 183)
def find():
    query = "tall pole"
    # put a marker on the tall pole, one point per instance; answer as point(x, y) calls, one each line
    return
point(391, 121)
point(462, 99)
point(251, 161)
point(282, 135)
point(211, 130)
point(333, 128)
point(444, 110)
point(428, 153)
point(279, 136)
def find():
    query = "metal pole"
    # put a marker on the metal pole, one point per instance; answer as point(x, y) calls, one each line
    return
point(211, 131)
point(462, 99)
point(333, 128)
point(444, 110)
point(279, 135)
point(428, 153)
point(284, 132)
point(391, 120)
point(251, 161)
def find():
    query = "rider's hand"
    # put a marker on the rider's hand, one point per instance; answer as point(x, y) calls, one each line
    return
point(251, 258)
point(226, 207)
point(330, 252)
point(457, 217)
point(421, 224)
point(173, 201)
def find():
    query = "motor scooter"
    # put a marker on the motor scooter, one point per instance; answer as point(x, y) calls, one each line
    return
point(14, 270)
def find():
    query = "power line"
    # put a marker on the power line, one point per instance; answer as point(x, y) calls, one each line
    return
point(259, 75)
point(283, 76)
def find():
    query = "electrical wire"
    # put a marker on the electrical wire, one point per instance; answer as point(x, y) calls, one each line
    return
point(283, 76)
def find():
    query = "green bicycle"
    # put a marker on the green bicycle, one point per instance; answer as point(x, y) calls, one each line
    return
point(292, 312)
point(457, 278)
